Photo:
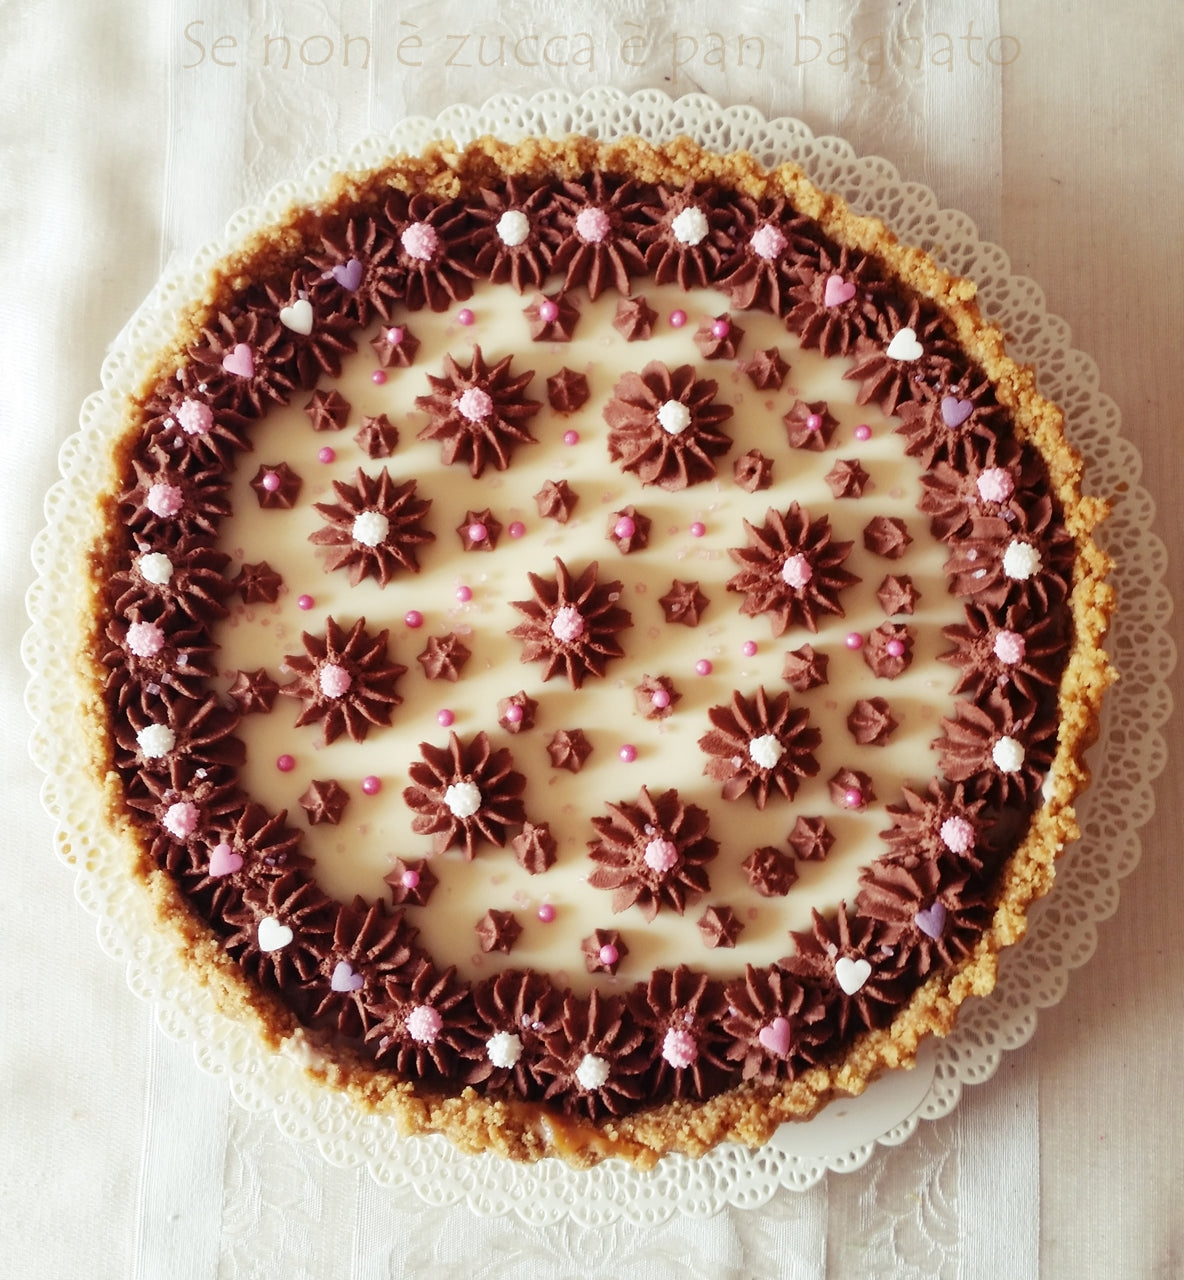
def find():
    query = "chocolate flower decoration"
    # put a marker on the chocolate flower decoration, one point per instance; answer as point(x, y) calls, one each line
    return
point(185, 429)
point(664, 426)
point(681, 1013)
point(1001, 755)
point(837, 300)
point(464, 793)
point(599, 218)
point(688, 238)
point(371, 946)
point(596, 1060)
point(652, 853)
point(424, 1028)
point(1000, 563)
point(281, 930)
point(345, 680)
point(571, 623)
point(943, 825)
point(760, 745)
point(166, 504)
point(1026, 654)
point(516, 233)
point(434, 250)
point(244, 363)
point(357, 272)
point(478, 413)
point(770, 242)
point(152, 645)
point(159, 726)
point(770, 871)
point(514, 1011)
point(791, 569)
point(910, 349)
point(373, 528)
point(778, 1025)
point(957, 422)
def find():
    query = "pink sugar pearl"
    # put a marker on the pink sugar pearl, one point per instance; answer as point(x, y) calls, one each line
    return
point(678, 319)
point(748, 648)
point(627, 754)
point(703, 667)
point(698, 529)
point(609, 955)
point(378, 377)
point(720, 329)
point(625, 527)
point(513, 713)
point(660, 699)
point(445, 718)
point(546, 913)
point(271, 482)
point(895, 648)
point(410, 879)
point(517, 529)
point(477, 533)
point(326, 454)
point(305, 602)
point(571, 437)
point(371, 785)
point(853, 797)
point(853, 640)
point(285, 763)
point(863, 432)
point(814, 422)
point(465, 316)
point(413, 618)
point(548, 311)
point(464, 594)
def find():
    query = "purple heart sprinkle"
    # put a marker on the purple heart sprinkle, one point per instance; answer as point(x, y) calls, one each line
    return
point(931, 921)
point(344, 978)
point(348, 274)
point(954, 412)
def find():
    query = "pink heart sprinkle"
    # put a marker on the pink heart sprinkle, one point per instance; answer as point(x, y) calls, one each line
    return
point(837, 291)
point(954, 412)
point(931, 920)
point(224, 861)
point(344, 979)
point(348, 274)
point(240, 361)
point(774, 1037)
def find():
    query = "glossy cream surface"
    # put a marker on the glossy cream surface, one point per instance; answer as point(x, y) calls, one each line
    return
point(354, 856)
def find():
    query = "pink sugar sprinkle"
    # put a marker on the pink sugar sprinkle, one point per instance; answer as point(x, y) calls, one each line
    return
point(895, 648)
point(517, 529)
point(853, 640)
point(625, 527)
point(768, 242)
point(514, 714)
point(748, 648)
point(423, 1024)
point(546, 913)
point(1010, 647)
point(464, 594)
point(420, 241)
point(410, 878)
point(395, 334)
point(477, 532)
point(660, 699)
point(698, 529)
point(814, 422)
point(863, 432)
point(853, 798)
point(413, 618)
point(720, 329)
point(326, 454)
point(703, 667)
point(445, 718)
point(305, 602)
point(271, 481)
point(571, 437)
point(285, 763)
point(957, 834)
point(145, 639)
point(592, 225)
point(608, 955)
point(335, 681)
point(678, 319)
point(548, 311)
point(660, 855)
point(378, 377)
point(466, 317)
point(371, 784)
point(474, 404)
point(627, 754)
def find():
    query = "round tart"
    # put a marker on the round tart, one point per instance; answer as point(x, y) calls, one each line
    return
point(640, 678)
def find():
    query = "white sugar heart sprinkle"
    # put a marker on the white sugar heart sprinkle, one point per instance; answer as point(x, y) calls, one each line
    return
point(298, 317)
point(273, 935)
point(851, 974)
point(904, 346)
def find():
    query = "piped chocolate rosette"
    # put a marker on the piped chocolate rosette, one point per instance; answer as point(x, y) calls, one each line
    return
point(763, 597)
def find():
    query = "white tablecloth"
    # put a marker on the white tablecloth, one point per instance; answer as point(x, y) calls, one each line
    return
point(128, 133)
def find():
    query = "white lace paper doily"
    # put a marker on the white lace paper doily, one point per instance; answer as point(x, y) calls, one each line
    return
point(1062, 935)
